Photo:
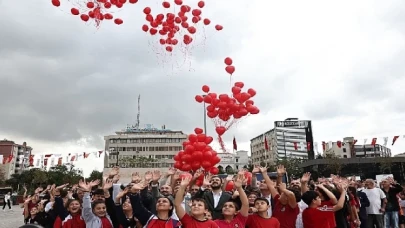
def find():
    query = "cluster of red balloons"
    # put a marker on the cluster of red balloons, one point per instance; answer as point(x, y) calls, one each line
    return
point(225, 108)
point(229, 67)
point(197, 154)
point(231, 185)
point(97, 10)
point(170, 24)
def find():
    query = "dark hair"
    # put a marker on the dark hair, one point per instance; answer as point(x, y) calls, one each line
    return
point(98, 192)
point(171, 204)
point(71, 201)
point(202, 201)
point(297, 194)
point(96, 202)
point(235, 204)
point(323, 193)
point(262, 199)
point(216, 176)
point(309, 196)
point(31, 226)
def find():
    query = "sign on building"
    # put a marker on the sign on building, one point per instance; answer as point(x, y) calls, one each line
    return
point(294, 124)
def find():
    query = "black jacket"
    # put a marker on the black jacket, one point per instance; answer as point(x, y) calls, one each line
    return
point(209, 199)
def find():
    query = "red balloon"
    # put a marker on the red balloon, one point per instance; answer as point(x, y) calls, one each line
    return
point(107, 5)
point(118, 21)
point(176, 157)
point(229, 186)
point(108, 16)
point(169, 48)
point(195, 165)
point(201, 4)
point(198, 130)
point(186, 158)
point(201, 138)
point(147, 10)
point(178, 2)
point(177, 165)
point(189, 149)
point(186, 167)
point(199, 98)
point(219, 27)
point(236, 90)
point(228, 61)
point(214, 170)
point(207, 21)
point(192, 138)
point(208, 140)
point(206, 164)
point(152, 31)
point(133, 1)
point(166, 4)
point(197, 155)
point(220, 130)
point(205, 88)
point(90, 5)
point(74, 11)
point(84, 17)
point(215, 160)
point(239, 84)
point(196, 12)
point(230, 69)
point(56, 3)
point(252, 92)
point(199, 183)
point(248, 176)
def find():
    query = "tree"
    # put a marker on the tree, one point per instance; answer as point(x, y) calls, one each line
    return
point(334, 164)
point(385, 164)
point(2, 175)
point(138, 162)
point(292, 165)
point(95, 175)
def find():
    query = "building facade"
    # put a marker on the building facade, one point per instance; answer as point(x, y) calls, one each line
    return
point(147, 148)
point(348, 149)
point(231, 162)
point(16, 156)
point(291, 138)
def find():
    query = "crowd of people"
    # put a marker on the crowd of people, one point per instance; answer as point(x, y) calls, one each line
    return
point(174, 200)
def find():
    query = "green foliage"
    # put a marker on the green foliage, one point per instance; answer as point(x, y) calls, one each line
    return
point(138, 162)
point(95, 175)
point(291, 164)
point(334, 165)
point(34, 178)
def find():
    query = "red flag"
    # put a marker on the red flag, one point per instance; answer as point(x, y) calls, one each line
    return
point(295, 146)
point(73, 158)
point(323, 146)
point(354, 141)
point(339, 144)
point(235, 146)
point(266, 145)
point(99, 153)
point(10, 158)
point(394, 139)
point(373, 141)
point(31, 160)
point(308, 146)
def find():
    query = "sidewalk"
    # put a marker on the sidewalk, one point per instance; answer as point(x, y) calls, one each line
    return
point(11, 219)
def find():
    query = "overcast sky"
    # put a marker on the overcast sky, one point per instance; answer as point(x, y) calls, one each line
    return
point(65, 84)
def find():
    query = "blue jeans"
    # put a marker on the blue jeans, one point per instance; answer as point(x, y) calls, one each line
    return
point(391, 219)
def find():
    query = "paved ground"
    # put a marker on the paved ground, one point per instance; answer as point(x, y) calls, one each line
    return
point(11, 219)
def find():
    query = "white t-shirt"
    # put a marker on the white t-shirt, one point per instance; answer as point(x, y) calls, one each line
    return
point(375, 195)
point(302, 206)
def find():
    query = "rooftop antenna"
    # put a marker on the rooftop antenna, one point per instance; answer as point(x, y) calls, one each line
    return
point(139, 112)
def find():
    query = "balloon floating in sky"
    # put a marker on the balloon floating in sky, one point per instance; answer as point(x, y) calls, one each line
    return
point(176, 28)
point(96, 11)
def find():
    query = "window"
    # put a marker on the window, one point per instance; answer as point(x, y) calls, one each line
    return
point(344, 150)
point(344, 156)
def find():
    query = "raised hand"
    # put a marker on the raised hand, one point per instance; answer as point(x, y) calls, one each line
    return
point(281, 170)
point(84, 186)
point(256, 169)
point(207, 181)
point(136, 178)
point(263, 169)
point(121, 194)
point(239, 180)
point(156, 176)
point(185, 182)
point(108, 183)
point(114, 171)
point(171, 171)
point(305, 177)
point(94, 183)
point(148, 176)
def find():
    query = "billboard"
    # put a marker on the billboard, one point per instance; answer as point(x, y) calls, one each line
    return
point(292, 123)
